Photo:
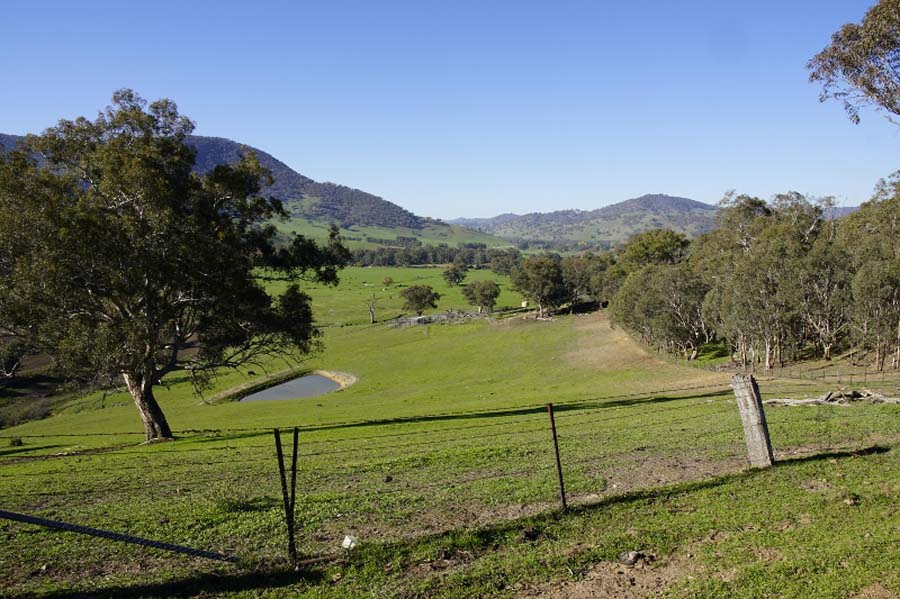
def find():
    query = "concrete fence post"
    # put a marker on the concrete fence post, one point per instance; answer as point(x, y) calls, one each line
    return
point(756, 432)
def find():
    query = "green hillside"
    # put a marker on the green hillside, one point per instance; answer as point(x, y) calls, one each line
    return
point(313, 206)
point(605, 226)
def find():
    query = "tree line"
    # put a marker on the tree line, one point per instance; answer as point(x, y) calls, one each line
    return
point(775, 281)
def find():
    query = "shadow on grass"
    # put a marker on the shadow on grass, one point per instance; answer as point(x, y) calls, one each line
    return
point(493, 536)
point(833, 455)
point(464, 541)
point(203, 585)
point(578, 405)
point(26, 448)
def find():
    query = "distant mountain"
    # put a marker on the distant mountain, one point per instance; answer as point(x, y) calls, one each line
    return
point(303, 197)
point(604, 226)
point(840, 212)
point(306, 198)
point(8, 142)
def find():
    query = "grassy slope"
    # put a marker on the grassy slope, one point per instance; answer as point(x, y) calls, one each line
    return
point(448, 521)
point(431, 234)
point(609, 229)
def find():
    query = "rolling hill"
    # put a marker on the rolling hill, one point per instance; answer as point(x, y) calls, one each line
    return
point(366, 220)
point(604, 226)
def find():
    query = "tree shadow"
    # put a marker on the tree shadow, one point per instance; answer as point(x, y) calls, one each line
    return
point(26, 449)
point(576, 405)
point(205, 585)
point(462, 541)
point(491, 536)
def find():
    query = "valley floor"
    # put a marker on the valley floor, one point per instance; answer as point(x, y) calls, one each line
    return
point(439, 460)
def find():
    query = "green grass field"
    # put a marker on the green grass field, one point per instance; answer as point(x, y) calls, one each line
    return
point(440, 460)
point(430, 234)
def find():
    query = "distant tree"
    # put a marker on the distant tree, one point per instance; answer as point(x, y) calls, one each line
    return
point(115, 257)
point(861, 66)
point(540, 279)
point(455, 274)
point(419, 298)
point(876, 290)
point(657, 246)
point(663, 304)
point(578, 272)
point(483, 294)
point(504, 264)
point(826, 280)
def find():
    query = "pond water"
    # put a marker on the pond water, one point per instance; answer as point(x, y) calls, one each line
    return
point(305, 386)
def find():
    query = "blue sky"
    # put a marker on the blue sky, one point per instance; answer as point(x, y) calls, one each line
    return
point(473, 108)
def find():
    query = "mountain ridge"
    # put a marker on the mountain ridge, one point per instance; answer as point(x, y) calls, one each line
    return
point(603, 226)
point(303, 197)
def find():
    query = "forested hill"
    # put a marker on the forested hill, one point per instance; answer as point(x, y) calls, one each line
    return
point(305, 198)
point(607, 225)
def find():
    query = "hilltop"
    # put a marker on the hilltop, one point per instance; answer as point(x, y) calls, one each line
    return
point(364, 218)
point(603, 226)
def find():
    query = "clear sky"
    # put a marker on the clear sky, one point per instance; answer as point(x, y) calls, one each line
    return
point(474, 108)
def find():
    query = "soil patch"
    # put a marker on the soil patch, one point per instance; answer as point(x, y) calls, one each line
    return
point(607, 580)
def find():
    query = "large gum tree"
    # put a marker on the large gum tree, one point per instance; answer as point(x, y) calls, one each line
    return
point(120, 262)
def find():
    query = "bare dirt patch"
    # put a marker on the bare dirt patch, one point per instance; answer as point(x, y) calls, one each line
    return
point(601, 346)
point(638, 470)
point(875, 591)
point(344, 379)
point(615, 580)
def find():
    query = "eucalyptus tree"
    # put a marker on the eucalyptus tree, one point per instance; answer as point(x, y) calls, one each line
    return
point(455, 274)
point(663, 304)
point(871, 237)
point(861, 65)
point(482, 294)
point(419, 298)
point(116, 257)
point(827, 294)
point(540, 279)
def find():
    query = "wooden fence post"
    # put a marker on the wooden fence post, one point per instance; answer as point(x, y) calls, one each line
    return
point(756, 432)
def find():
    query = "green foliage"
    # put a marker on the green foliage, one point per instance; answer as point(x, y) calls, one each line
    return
point(580, 271)
point(419, 298)
point(505, 263)
point(482, 294)
point(540, 279)
point(663, 303)
point(659, 246)
point(171, 258)
point(601, 229)
point(859, 67)
point(455, 274)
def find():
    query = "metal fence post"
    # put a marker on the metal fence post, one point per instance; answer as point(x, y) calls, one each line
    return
point(288, 502)
point(562, 487)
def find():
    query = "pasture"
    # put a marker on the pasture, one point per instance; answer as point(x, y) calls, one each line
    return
point(439, 460)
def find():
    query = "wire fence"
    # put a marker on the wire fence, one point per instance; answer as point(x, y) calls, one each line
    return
point(399, 478)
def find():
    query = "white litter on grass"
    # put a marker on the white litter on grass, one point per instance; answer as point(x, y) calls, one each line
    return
point(349, 542)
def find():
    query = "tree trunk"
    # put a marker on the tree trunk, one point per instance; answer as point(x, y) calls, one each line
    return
point(768, 354)
point(827, 350)
point(141, 388)
point(540, 309)
point(694, 353)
